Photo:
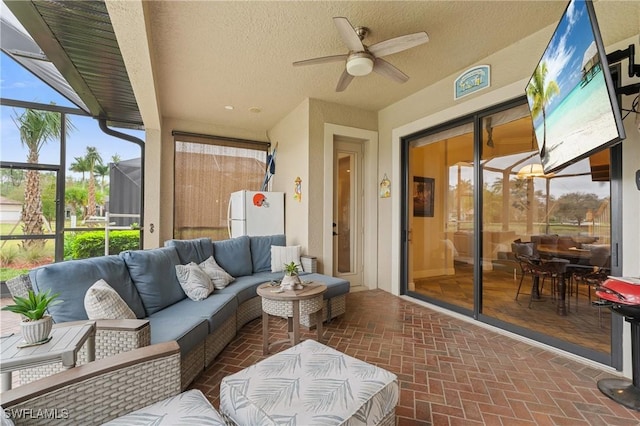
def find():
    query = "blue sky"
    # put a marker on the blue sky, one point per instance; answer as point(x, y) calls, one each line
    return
point(566, 50)
point(19, 84)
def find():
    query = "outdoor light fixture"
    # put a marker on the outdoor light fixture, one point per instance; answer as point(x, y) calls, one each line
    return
point(531, 170)
point(359, 64)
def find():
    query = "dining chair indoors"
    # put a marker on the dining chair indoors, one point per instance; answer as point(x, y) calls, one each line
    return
point(520, 251)
point(594, 274)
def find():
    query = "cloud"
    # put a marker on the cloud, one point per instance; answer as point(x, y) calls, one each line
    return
point(19, 85)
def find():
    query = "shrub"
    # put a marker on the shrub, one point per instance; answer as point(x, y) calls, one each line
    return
point(8, 255)
point(91, 244)
point(33, 255)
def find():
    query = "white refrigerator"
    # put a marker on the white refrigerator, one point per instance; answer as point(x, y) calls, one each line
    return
point(256, 213)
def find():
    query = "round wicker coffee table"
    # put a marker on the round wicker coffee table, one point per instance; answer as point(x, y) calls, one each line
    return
point(290, 304)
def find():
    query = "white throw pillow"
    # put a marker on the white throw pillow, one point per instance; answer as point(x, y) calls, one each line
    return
point(219, 276)
point(194, 281)
point(284, 255)
point(102, 302)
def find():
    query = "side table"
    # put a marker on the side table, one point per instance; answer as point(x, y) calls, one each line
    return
point(290, 304)
point(64, 345)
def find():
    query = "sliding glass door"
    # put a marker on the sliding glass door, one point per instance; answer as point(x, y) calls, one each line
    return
point(563, 215)
point(441, 216)
point(475, 198)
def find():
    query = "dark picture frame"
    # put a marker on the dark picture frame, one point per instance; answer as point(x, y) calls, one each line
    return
point(423, 189)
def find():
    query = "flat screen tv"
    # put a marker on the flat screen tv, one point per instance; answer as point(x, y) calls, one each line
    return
point(571, 95)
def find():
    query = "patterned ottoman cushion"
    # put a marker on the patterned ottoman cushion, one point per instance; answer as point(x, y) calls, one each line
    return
point(309, 384)
point(188, 408)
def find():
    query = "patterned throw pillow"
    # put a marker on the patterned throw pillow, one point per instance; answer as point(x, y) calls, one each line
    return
point(219, 276)
point(102, 302)
point(194, 281)
point(284, 255)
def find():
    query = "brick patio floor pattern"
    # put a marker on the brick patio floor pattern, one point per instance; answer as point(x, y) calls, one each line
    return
point(450, 372)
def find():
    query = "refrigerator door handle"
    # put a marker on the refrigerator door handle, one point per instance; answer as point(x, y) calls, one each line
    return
point(229, 218)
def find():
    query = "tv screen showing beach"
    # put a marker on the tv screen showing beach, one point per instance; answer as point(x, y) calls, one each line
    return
point(571, 96)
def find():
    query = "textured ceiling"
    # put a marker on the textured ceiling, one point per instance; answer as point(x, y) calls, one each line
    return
point(189, 59)
point(209, 54)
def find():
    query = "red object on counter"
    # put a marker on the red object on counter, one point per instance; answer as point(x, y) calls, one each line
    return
point(620, 290)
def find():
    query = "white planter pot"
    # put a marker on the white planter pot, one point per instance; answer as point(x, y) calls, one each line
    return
point(291, 282)
point(36, 331)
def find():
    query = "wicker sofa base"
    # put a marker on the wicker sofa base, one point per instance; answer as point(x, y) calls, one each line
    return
point(218, 340)
point(98, 392)
point(248, 311)
point(112, 337)
point(191, 365)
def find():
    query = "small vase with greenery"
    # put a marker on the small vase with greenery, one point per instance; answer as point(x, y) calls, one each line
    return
point(36, 324)
point(291, 280)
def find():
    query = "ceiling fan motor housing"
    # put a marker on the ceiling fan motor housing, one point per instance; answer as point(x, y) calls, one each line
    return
point(360, 63)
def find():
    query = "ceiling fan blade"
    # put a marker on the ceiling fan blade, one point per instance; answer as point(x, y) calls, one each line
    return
point(348, 34)
point(384, 68)
point(321, 60)
point(398, 44)
point(344, 81)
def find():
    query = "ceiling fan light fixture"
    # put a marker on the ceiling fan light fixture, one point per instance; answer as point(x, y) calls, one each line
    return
point(359, 64)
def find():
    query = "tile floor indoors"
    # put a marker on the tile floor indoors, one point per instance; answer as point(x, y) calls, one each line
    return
point(451, 372)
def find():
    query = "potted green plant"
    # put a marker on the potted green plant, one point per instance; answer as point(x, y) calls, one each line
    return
point(36, 324)
point(291, 280)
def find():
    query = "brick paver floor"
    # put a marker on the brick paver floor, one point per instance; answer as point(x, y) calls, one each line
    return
point(451, 372)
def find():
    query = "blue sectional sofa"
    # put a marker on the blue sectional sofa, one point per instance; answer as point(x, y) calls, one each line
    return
point(146, 280)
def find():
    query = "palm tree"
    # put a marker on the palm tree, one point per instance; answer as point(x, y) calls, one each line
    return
point(36, 129)
point(115, 158)
point(76, 197)
point(93, 158)
point(102, 170)
point(541, 94)
point(81, 165)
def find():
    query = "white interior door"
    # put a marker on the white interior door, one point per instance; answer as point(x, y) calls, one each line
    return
point(348, 212)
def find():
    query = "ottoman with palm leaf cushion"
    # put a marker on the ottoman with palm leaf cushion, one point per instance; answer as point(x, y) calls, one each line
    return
point(310, 384)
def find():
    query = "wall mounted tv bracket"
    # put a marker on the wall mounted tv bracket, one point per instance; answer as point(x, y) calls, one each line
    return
point(634, 69)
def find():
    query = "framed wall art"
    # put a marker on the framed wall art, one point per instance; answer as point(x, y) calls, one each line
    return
point(423, 189)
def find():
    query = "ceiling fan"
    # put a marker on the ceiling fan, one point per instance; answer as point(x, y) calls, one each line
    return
point(362, 59)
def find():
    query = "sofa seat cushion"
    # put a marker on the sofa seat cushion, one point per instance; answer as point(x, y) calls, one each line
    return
point(244, 288)
point(196, 250)
point(261, 250)
point(188, 331)
point(234, 256)
point(190, 407)
point(154, 274)
point(73, 278)
point(335, 286)
point(216, 309)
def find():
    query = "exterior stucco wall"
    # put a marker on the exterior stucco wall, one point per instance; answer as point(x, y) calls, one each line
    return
point(301, 153)
point(320, 113)
point(292, 160)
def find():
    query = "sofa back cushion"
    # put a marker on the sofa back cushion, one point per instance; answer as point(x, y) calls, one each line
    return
point(261, 251)
point(73, 278)
point(153, 273)
point(234, 256)
point(196, 250)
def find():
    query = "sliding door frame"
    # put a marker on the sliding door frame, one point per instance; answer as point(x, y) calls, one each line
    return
point(614, 359)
